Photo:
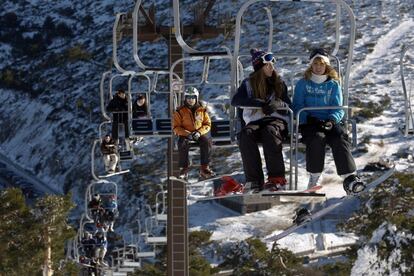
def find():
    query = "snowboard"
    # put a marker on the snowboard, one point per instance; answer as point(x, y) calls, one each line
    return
point(214, 179)
point(303, 222)
point(201, 181)
point(227, 178)
point(308, 192)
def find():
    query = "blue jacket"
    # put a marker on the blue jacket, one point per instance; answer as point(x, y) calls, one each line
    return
point(311, 94)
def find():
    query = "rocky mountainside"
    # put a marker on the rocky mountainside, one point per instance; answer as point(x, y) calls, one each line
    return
point(54, 52)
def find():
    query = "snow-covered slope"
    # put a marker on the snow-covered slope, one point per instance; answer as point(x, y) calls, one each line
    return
point(48, 129)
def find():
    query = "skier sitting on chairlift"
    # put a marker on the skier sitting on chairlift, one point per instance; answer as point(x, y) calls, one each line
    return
point(259, 99)
point(140, 107)
point(88, 245)
point(95, 205)
point(110, 156)
point(320, 87)
point(192, 123)
point(101, 247)
point(119, 108)
point(110, 212)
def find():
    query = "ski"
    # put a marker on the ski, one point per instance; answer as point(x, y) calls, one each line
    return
point(112, 174)
point(304, 221)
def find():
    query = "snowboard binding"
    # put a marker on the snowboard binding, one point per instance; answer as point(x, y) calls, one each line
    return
point(302, 215)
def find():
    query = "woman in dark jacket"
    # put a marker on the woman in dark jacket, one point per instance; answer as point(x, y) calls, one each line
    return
point(140, 108)
point(260, 98)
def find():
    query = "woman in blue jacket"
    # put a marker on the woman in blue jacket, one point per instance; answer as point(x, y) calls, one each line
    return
point(258, 98)
point(320, 87)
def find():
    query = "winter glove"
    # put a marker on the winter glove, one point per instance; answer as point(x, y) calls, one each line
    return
point(195, 135)
point(271, 106)
point(328, 125)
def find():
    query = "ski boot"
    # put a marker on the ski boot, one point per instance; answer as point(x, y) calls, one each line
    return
point(184, 173)
point(313, 180)
point(275, 183)
point(353, 185)
point(206, 172)
point(302, 215)
point(251, 187)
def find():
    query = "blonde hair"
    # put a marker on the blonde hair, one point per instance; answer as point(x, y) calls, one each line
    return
point(261, 86)
point(329, 71)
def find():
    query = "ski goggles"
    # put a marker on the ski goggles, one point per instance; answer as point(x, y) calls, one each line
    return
point(318, 51)
point(268, 58)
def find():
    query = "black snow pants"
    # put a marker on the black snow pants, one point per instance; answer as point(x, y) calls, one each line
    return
point(270, 132)
point(205, 150)
point(120, 118)
point(316, 140)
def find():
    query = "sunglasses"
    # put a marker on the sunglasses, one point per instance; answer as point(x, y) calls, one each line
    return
point(268, 58)
point(191, 97)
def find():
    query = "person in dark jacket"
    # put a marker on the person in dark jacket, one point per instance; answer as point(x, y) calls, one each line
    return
point(140, 107)
point(262, 101)
point(101, 247)
point(320, 87)
point(109, 152)
point(119, 108)
point(95, 206)
point(88, 245)
point(110, 206)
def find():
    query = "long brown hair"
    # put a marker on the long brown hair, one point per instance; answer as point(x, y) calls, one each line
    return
point(263, 86)
point(329, 71)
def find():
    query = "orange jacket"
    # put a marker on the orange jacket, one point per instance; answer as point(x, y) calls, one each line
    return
point(185, 121)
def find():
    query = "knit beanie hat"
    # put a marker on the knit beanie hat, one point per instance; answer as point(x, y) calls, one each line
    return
point(257, 58)
point(321, 53)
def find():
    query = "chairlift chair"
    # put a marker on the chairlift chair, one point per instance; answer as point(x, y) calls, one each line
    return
point(106, 190)
point(140, 254)
point(122, 21)
point(93, 164)
point(160, 214)
point(127, 258)
point(220, 130)
point(237, 68)
point(407, 71)
point(125, 147)
point(149, 238)
point(150, 126)
point(80, 234)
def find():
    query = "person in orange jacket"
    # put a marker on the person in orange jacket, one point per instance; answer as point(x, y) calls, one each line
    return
point(192, 123)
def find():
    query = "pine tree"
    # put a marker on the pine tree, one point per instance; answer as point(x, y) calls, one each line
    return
point(51, 213)
point(33, 238)
point(21, 246)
